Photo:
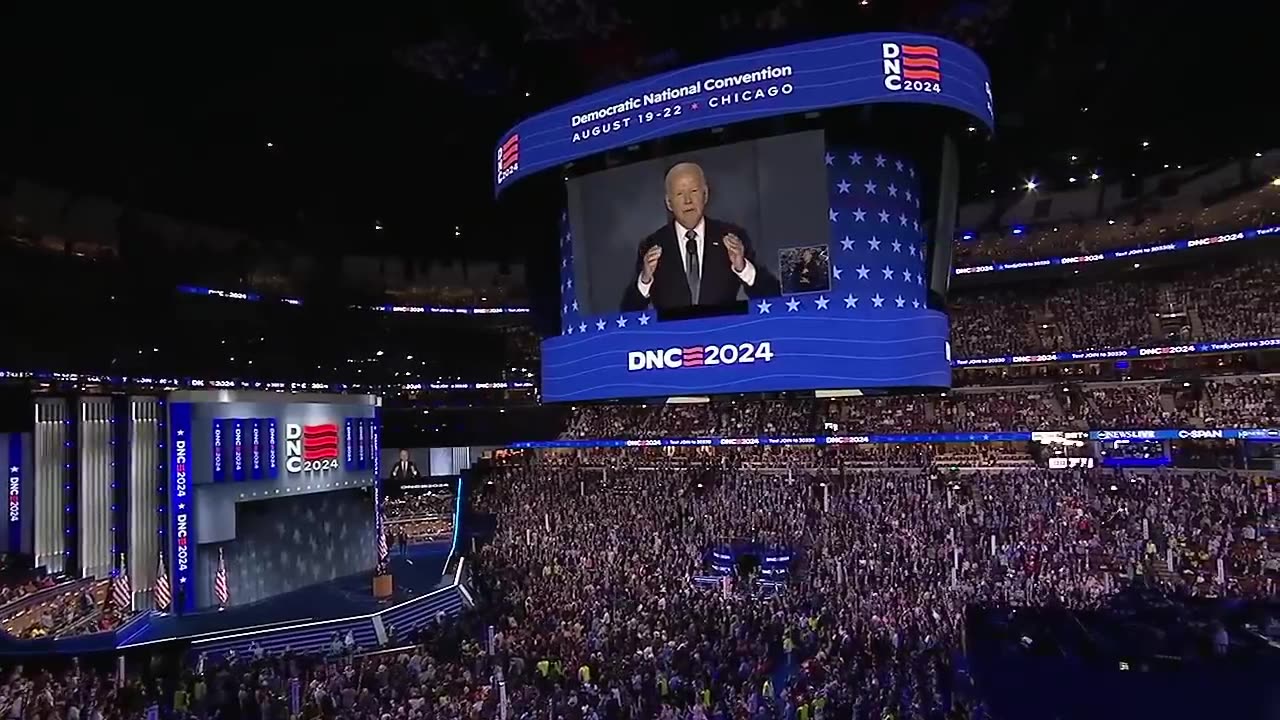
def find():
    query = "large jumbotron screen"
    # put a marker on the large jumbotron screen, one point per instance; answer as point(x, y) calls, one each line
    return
point(792, 261)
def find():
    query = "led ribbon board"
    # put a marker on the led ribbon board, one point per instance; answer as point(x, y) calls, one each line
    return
point(835, 72)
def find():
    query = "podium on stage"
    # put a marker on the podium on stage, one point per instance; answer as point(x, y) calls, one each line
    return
point(382, 586)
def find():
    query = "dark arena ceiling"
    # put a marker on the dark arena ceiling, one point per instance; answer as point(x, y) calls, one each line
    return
point(375, 130)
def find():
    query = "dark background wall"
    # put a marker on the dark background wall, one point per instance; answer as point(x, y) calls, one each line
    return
point(288, 543)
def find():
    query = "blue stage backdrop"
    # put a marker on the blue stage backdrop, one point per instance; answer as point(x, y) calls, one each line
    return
point(841, 71)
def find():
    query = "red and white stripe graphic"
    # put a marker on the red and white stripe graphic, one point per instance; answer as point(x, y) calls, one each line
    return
point(121, 590)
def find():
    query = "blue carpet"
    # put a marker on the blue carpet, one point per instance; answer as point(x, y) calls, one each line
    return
point(416, 573)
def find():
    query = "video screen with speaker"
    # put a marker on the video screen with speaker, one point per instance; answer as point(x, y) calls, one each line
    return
point(811, 254)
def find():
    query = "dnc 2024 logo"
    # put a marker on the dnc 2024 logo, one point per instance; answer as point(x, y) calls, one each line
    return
point(911, 68)
point(508, 158)
point(310, 448)
point(700, 356)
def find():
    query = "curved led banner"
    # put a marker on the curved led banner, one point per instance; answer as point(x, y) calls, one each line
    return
point(1121, 353)
point(835, 72)
point(1258, 434)
point(1122, 254)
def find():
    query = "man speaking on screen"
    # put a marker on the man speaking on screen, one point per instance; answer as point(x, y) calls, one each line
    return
point(694, 259)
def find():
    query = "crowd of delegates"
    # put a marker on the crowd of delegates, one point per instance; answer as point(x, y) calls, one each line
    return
point(1246, 401)
point(1233, 302)
point(22, 585)
point(419, 517)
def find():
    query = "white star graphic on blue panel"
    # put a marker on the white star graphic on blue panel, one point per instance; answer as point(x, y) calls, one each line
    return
point(899, 165)
point(911, 249)
point(570, 282)
point(877, 300)
point(902, 219)
point(843, 186)
point(575, 304)
point(829, 158)
point(856, 158)
point(900, 301)
point(835, 272)
point(897, 246)
point(919, 279)
point(564, 263)
point(181, 433)
point(860, 215)
point(564, 309)
point(821, 302)
point(644, 319)
point(915, 304)
point(622, 322)
point(893, 190)
point(850, 301)
point(888, 272)
point(832, 214)
point(913, 172)
point(870, 187)
point(880, 161)
point(906, 275)
point(600, 324)
point(863, 271)
point(764, 306)
point(916, 224)
point(884, 216)
point(792, 304)
point(908, 196)
point(846, 243)
point(874, 243)
point(582, 327)
point(568, 330)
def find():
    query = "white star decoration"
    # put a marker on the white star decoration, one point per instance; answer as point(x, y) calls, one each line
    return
point(622, 322)
point(899, 165)
point(877, 300)
point(582, 328)
point(912, 250)
point(600, 324)
point(856, 158)
point(888, 272)
point(644, 319)
point(829, 158)
point(181, 433)
point(860, 215)
point(893, 190)
point(843, 186)
point(832, 214)
point(870, 187)
point(863, 271)
point(900, 301)
point(902, 219)
point(884, 216)
point(906, 275)
point(821, 302)
point(880, 161)
point(575, 304)
point(568, 330)
point(764, 306)
point(908, 196)
point(874, 242)
point(835, 272)
point(13, 468)
point(915, 304)
point(846, 243)
point(897, 246)
point(569, 282)
point(792, 304)
point(850, 302)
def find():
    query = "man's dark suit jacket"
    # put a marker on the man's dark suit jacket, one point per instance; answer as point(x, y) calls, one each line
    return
point(409, 473)
point(719, 286)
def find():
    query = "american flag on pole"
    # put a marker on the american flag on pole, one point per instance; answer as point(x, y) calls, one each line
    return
point(121, 591)
point(381, 529)
point(220, 592)
point(163, 593)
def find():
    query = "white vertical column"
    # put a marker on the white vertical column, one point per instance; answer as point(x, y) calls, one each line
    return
point(50, 440)
point(96, 456)
point(144, 515)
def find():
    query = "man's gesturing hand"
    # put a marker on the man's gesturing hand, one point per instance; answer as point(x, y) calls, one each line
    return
point(650, 263)
point(737, 254)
